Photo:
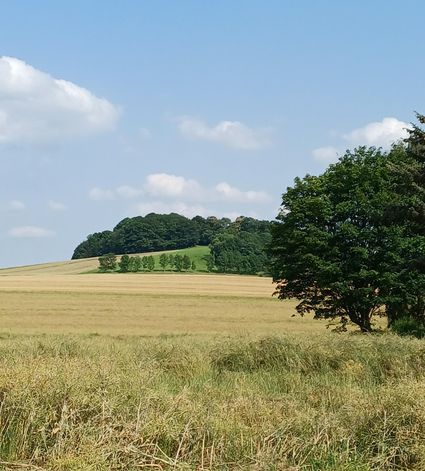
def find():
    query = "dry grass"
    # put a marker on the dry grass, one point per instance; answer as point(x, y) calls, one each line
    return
point(196, 372)
point(313, 403)
point(119, 304)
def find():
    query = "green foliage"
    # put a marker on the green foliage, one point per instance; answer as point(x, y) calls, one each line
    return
point(150, 263)
point(107, 262)
point(124, 264)
point(154, 232)
point(193, 265)
point(97, 244)
point(209, 261)
point(178, 262)
point(135, 263)
point(186, 262)
point(408, 326)
point(332, 248)
point(241, 248)
point(237, 247)
point(407, 209)
point(163, 260)
point(145, 262)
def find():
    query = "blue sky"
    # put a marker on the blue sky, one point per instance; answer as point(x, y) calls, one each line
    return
point(113, 109)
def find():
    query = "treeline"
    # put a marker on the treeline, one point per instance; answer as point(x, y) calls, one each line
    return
point(136, 263)
point(236, 247)
point(152, 233)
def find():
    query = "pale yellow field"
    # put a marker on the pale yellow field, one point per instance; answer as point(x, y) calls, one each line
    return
point(70, 267)
point(141, 304)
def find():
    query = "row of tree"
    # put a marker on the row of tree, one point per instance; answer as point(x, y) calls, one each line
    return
point(350, 243)
point(126, 264)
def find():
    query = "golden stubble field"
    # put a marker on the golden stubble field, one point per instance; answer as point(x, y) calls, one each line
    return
point(144, 304)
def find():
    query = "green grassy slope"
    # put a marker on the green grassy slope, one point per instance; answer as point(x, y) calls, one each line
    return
point(196, 254)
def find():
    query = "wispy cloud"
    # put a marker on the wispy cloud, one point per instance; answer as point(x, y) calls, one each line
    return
point(232, 134)
point(230, 193)
point(30, 232)
point(56, 206)
point(99, 194)
point(16, 205)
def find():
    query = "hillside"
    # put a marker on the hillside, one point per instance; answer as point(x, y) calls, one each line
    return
point(236, 247)
point(90, 265)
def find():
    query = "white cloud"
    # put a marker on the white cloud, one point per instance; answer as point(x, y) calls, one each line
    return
point(16, 205)
point(166, 193)
point(164, 184)
point(230, 133)
point(326, 154)
point(229, 193)
point(98, 194)
point(128, 192)
point(380, 133)
point(35, 107)
point(30, 232)
point(56, 206)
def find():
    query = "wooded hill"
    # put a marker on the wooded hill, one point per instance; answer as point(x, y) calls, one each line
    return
point(236, 247)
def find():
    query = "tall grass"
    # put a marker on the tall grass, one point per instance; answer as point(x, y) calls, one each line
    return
point(277, 403)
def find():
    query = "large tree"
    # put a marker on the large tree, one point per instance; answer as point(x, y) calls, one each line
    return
point(407, 209)
point(331, 248)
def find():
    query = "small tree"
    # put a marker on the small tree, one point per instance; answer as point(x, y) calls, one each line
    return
point(107, 262)
point(171, 260)
point(209, 260)
point(193, 265)
point(178, 262)
point(145, 262)
point(163, 261)
point(186, 262)
point(124, 264)
point(151, 263)
point(136, 263)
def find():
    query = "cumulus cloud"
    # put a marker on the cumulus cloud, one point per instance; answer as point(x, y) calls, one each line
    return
point(30, 232)
point(16, 205)
point(56, 206)
point(99, 194)
point(230, 193)
point(232, 134)
point(175, 187)
point(164, 184)
point(380, 133)
point(36, 107)
point(325, 154)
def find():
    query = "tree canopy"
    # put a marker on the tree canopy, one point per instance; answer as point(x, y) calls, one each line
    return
point(336, 245)
point(154, 232)
point(236, 247)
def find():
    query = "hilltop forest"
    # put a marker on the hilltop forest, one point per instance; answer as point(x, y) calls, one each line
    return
point(236, 247)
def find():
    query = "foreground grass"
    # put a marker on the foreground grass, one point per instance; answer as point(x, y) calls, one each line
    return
point(328, 402)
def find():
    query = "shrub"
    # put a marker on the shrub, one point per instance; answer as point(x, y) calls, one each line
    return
point(409, 326)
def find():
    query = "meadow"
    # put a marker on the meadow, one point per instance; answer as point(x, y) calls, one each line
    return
point(190, 372)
